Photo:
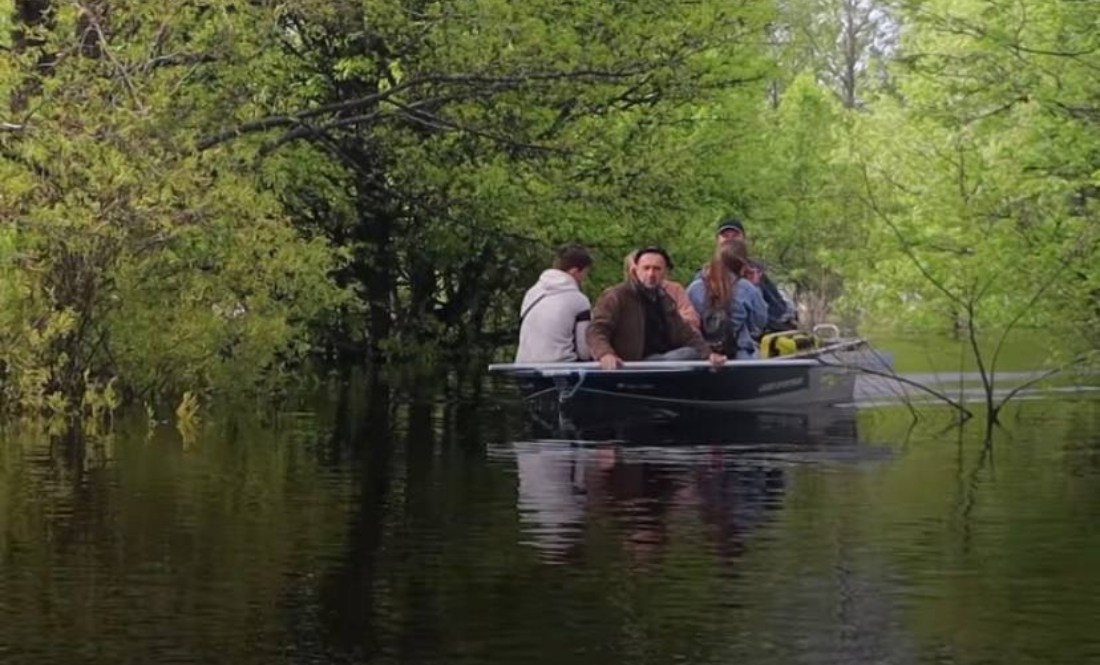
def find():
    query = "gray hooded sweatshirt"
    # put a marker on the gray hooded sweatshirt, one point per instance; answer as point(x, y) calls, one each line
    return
point(554, 320)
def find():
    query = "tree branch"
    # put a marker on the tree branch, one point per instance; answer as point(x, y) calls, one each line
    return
point(439, 122)
point(494, 84)
point(1045, 285)
point(900, 379)
point(101, 37)
point(906, 246)
point(177, 59)
point(1078, 360)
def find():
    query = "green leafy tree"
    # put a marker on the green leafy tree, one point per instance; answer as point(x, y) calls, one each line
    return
point(455, 143)
point(846, 45)
point(982, 178)
point(125, 253)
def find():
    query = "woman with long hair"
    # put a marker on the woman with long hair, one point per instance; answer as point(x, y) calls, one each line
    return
point(730, 306)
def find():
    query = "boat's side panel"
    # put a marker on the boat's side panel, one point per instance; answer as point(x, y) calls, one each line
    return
point(732, 384)
point(772, 385)
point(822, 377)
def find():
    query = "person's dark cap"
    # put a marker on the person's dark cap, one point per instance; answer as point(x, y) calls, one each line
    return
point(653, 249)
point(731, 223)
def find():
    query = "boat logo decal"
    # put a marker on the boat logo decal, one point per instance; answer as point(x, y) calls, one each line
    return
point(780, 385)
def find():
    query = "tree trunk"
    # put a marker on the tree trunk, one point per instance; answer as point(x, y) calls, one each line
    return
point(29, 17)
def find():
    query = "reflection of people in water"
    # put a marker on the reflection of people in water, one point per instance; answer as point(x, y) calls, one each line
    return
point(713, 471)
point(735, 498)
point(644, 492)
point(551, 496)
point(562, 483)
point(641, 498)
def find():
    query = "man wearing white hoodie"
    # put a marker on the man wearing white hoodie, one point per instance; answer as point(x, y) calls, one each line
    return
point(555, 313)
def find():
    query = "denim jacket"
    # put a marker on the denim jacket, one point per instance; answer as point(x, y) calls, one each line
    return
point(748, 314)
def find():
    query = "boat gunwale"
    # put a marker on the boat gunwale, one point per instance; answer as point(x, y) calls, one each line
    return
point(811, 358)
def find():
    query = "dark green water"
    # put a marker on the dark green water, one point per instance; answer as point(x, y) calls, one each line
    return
point(382, 532)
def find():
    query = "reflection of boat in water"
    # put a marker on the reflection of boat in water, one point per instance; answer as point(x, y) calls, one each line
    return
point(565, 489)
point(601, 421)
point(819, 377)
point(641, 472)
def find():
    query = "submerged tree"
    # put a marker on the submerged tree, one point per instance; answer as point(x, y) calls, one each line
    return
point(128, 260)
point(189, 193)
point(983, 177)
point(447, 146)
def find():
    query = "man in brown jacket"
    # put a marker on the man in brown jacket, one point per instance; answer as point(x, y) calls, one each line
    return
point(637, 320)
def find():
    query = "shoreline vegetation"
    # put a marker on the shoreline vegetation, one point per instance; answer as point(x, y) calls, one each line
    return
point(199, 201)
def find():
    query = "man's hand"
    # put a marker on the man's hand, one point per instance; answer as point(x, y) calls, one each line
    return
point(610, 361)
point(717, 359)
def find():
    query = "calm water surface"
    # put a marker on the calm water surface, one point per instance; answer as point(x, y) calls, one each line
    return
point(373, 530)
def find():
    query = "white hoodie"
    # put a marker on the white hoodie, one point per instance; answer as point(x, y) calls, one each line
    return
point(553, 320)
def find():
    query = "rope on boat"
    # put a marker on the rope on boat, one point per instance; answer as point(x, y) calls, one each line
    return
point(540, 393)
point(567, 394)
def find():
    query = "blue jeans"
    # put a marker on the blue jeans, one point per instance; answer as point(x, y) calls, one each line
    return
point(682, 353)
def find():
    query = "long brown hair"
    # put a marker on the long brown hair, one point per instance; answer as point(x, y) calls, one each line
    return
point(724, 270)
point(628, 265)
